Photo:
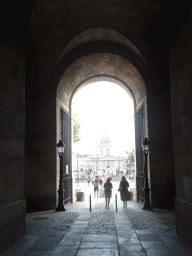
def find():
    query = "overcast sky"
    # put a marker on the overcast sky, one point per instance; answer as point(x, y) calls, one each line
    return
point(104, 107)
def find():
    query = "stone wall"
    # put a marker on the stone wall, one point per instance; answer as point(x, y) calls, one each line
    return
point(181, 86)
point(12, 119)
point(40, 154)
point(162, 178)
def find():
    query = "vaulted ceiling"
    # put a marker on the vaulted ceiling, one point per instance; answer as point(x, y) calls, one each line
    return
point(58, 21)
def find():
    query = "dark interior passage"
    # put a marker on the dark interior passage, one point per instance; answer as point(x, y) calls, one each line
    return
point(48, 51)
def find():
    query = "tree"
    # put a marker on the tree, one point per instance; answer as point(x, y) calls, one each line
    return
point(130, 159)
point(76, 128)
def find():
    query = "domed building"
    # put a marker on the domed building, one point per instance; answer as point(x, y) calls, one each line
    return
point(105, 160)
point(105, 146)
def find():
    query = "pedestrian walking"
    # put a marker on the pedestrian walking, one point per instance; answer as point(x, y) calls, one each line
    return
point(108, 191)
point(96, 186)
point(123, 188)
point(89, 180)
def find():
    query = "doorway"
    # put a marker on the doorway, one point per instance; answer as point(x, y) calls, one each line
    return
point(104, 145)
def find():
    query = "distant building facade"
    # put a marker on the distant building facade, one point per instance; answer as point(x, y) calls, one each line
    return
point(104, 160)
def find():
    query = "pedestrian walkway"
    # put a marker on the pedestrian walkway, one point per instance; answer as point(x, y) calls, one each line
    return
point(81, 232)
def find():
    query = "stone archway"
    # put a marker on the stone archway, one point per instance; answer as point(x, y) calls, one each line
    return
point(105, 67)
point(152, 118)
point(104, 59)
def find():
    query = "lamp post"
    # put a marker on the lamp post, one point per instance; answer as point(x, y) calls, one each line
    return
point(147, 205)
point(61, 148)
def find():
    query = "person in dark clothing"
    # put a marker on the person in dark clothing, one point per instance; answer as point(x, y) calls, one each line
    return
point(108, 190)
point(123, 187)
point(96, 186)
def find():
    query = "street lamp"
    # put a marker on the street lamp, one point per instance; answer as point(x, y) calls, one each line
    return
point(60, 149)
point(147, 205)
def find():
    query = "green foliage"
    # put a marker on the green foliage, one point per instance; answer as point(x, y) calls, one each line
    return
point(76, 128)
point(130, 158)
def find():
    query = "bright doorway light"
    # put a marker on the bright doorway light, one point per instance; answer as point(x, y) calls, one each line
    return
point(104, 107)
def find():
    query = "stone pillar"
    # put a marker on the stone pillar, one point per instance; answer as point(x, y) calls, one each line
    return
point(12, 127)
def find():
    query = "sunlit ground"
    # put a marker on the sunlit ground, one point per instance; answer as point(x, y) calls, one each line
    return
point(88, 189)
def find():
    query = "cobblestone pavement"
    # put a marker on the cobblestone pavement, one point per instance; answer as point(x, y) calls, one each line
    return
point(128, 231)
point(101, 222)
point(49, 221)
point(152, 220)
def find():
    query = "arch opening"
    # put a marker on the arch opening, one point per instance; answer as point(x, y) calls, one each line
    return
point(103, 67)
point(105, 111)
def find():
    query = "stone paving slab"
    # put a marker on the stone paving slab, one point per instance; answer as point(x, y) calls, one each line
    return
point(71, 237)
point(149, 237)
point(71, 244)
point(61, 251)
point(46, 243)
point(131, 250)
point(98, 245)
point(124, 253)
point(128, 240)
point(159, 252)
point(96, 252)
point(37, 253)
point(157, 231)
point(99, 238)
point(124, 229)
point(125, 232)
point(153, 245)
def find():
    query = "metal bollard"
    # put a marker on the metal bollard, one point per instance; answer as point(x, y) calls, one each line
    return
point(116, 201)
point(90, 202)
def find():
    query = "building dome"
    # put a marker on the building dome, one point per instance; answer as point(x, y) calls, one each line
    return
point(105, 140)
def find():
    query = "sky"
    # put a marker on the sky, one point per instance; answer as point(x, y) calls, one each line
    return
point(104, 107)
